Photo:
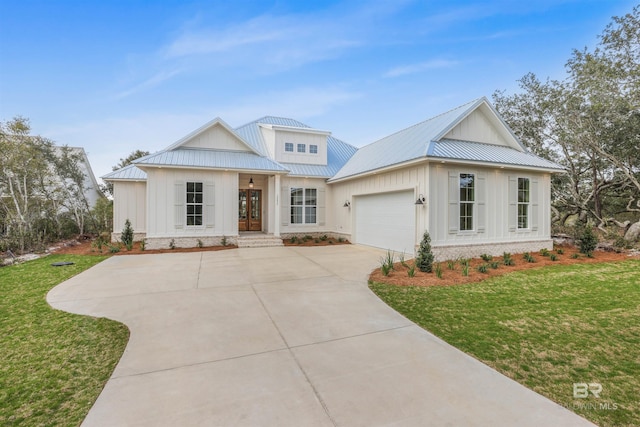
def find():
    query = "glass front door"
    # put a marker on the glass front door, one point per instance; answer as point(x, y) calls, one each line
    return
point(250, 210)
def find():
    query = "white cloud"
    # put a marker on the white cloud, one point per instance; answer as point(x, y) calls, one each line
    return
point(420, 67)
point(151, 82)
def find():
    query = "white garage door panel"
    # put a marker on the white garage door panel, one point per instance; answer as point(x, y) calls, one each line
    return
point(386, 221)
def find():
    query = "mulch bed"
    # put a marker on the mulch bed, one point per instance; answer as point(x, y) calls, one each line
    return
point(399, 276)
point(84, 247)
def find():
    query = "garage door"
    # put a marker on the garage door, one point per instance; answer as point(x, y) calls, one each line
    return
point(386, 220)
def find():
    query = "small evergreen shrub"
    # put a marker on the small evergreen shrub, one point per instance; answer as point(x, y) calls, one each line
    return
point(560, 251)
point(494, 265)
point(200, 244)
point(544, 252)
point(451, 265)
point(293, 239)
point(483, 268)
point(424, 260)
point(324, 237)
point(575, 256)
point(224, 241)
point(172, 244)
point(340, 239)
point(143, 244)
point(588, 241)
point(114, 249)
point(528, 257)
point(316, 240)
point(127, 235)
point(553, 257)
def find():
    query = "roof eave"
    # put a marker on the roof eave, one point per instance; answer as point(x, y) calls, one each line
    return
point(494, 165)
point(234, 169)
point(379, 170)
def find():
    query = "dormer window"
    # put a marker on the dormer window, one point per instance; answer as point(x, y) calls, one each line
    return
point(313, 149)
point(288, 146)
point(302, 148)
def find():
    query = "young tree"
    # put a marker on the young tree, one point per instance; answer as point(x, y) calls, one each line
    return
point(24, 174)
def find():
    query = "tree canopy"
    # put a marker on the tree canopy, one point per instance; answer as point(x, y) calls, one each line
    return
point(589, 122)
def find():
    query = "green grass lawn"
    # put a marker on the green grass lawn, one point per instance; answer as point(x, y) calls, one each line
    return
point(546, 328)
point(53, 365)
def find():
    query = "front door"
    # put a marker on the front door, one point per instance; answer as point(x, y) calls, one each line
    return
point(250, 210)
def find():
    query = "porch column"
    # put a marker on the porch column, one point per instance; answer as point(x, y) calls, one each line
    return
point(276, 214)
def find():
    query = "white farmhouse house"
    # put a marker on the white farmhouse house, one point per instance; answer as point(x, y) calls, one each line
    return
point(462, 175)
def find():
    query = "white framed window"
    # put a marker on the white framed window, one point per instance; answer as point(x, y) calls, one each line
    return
point(304, 205)
point(524, 198)
point(467, 201)
point(313, 149)
point(302, 148)
point(288, 146)
point(194, 203)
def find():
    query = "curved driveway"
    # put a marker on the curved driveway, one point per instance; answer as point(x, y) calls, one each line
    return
point(282, 337)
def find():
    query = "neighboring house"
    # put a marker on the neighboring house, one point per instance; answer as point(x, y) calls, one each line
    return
point(462, 175)
point(92, 190)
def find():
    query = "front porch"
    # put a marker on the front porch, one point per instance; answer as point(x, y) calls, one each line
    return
point(258, 239)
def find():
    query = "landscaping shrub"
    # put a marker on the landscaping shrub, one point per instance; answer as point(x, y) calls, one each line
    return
point(172, 244)
point(486, 257)
point(588, 241)
point(411, 272)
point(127, 235)
point(451, 265)
point(483, 268)
point(424, 260)
point(507, 259)
point(200, 244)
point(438, 270)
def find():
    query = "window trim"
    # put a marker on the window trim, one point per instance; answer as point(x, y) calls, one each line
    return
point(472, 217)
point(287, 145)
point(195, 204)
point(526, 204)
point(301, 148)
point(304, 206)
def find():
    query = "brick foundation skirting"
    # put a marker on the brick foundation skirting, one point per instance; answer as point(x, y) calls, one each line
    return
point(188, 242)
point(443, 253)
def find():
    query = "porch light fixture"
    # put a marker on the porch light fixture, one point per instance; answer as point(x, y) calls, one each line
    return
point(347, 204)
point(420, 200)
point(251, 182)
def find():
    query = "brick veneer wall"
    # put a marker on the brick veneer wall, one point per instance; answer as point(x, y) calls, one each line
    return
point(443, 253)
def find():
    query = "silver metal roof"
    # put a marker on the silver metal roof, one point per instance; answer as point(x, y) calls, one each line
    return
point(215, 159)
point(251, 131)
point(408, 144)
point(129, 172)
point(476, 151)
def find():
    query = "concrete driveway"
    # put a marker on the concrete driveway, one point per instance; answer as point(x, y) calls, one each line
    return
point(282, 337)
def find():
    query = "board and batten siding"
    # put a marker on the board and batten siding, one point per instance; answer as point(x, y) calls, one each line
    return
point(220, 215)
point(495, 210)
point(413, 178)
point(129, 203)
point(286, 184)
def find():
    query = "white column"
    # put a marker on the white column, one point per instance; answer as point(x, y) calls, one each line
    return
point(276, 216)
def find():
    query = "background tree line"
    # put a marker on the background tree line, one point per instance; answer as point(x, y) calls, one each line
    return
point(589, 122)
point(43, 192)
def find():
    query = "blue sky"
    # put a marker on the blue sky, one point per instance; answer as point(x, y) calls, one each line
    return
point(114, 76)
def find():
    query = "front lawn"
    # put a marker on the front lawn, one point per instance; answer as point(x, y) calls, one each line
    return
point(546, 328)
point(53, 364)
